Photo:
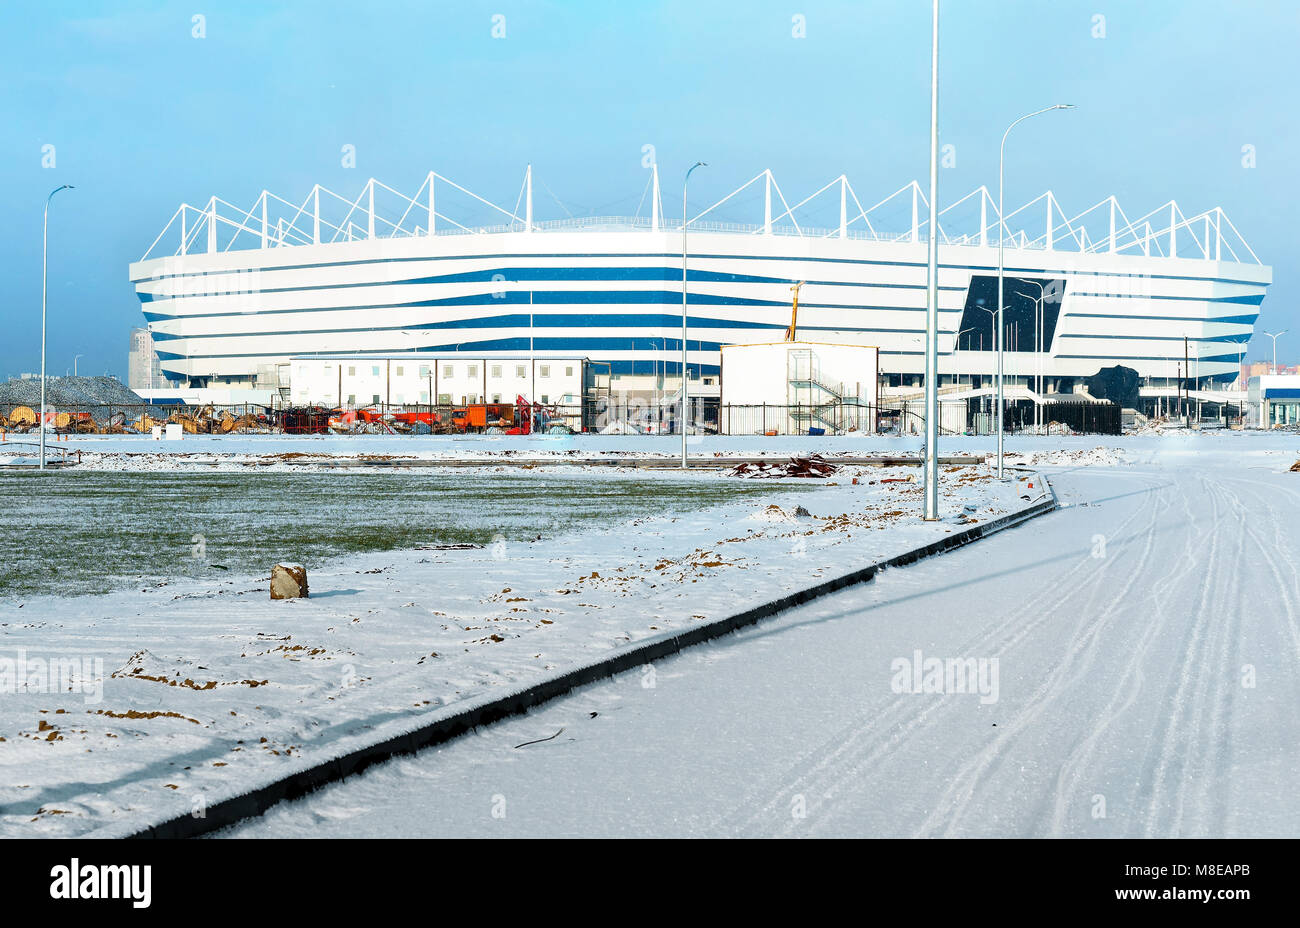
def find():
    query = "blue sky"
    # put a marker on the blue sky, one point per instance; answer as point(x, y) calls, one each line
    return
point(142, 115)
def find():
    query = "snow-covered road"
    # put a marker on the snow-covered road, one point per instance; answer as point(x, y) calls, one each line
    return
point(1135, 657)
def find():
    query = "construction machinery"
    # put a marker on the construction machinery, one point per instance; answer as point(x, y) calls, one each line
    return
point(794, 311)
point(479, 417)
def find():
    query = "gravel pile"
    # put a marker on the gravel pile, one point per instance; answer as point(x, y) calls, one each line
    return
point(68, 391)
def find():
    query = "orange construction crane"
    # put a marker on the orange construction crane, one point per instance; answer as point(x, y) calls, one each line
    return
point(794, 311)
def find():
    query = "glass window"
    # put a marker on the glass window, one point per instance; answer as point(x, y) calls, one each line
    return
point(496, 370)
point(568, 372)
point(545, 371)
point(352, 399)
point(521, 371)
point(444, 399)
point(374, 371)
point(424, 370)
point(400, 370)
point(447, 370)
point(496, 397)
point(473, 370)
point(374, 398)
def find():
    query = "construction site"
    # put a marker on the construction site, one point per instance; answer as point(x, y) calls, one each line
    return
point(790, 387)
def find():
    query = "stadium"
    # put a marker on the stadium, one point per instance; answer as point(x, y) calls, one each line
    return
point(231, 295)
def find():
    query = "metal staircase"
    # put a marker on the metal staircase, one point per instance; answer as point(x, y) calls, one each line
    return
point(812, 401)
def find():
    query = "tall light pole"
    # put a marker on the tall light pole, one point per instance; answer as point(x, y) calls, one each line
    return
point(1038, 339)
point(1002, 157)
point(45, 252)
point(1243, 385)
point(932, 299)
point(957, 341)
point(993, 323)
point(1274, 336)
point(685, 379)
point(74, 363)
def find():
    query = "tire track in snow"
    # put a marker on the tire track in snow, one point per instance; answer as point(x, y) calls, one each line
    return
point(1078, 657)
point(1211, 803)
point(1072, 770)
point(847, 740)
point(821, 774)
point(1174, 760)
point(1270, 554)
point(1203, 766)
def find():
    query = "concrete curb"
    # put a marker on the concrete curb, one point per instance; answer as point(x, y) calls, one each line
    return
point(486, 711)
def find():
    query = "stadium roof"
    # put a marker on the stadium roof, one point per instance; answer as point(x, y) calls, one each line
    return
point(379, 211)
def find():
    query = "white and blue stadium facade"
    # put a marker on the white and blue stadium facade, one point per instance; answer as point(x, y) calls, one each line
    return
point(230, 293)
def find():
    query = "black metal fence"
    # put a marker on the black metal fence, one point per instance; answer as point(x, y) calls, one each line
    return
point(602, 415)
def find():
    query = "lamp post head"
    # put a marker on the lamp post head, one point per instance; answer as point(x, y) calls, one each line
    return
point(56, 190)
point(1063, 106)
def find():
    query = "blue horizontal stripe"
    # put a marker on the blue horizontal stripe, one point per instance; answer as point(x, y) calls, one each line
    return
point(1241, 337)
point(1039, 270)
point(1112, 358)
point(1226, 320)
point(555, 298)
point(519, 320)
point(1253, 299)
point(517, 275)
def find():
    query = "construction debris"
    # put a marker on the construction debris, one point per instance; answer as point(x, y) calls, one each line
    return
point(813, 466)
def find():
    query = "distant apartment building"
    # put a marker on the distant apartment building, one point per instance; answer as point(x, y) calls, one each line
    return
point(1264, 368)
point(143, 372)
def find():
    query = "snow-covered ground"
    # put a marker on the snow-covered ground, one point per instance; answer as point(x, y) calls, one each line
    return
point(83, 531)
point(268, 452)
point(1138, 659)
point(182, 693)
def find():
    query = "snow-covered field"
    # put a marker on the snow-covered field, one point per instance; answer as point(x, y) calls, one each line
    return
point(1143, 654)
point(83, 531)
point(180, 693)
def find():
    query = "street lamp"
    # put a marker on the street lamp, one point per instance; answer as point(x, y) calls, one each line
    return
point(685, 379)
point(1038, 341)
point(957, 341)
point(993, 324)
point(931, 463)
point(1274, 336)
point(1002, 155)
point(45, 251)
